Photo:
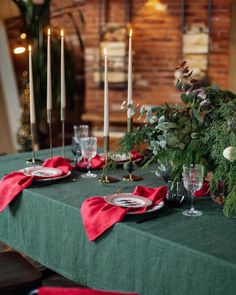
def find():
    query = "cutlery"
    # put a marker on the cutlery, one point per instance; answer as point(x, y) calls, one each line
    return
point(147, 218)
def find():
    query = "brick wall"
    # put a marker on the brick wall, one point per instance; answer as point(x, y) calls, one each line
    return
point(156, 45)
point(157, 48)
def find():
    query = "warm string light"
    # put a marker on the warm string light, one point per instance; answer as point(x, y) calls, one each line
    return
point(20, 48)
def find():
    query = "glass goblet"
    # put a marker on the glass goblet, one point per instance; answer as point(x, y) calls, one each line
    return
point(89, 151)
point(80, 131)
point(193, 178)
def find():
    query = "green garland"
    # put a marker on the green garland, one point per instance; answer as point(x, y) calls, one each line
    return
point(197, 131)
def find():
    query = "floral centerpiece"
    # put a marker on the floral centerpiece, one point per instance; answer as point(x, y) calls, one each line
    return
point(202, 129)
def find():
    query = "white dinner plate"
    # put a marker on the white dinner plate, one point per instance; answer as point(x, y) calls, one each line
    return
point(152, 209)
point(43, 172)
point(127, 200)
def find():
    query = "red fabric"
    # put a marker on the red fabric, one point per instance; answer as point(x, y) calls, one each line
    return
point(204, 190)
point(98, 215)
point(136, 155)
point(76, 291)
point(13, 183)
point(97, 163)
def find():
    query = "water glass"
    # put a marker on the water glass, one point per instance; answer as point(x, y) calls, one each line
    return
point(80, 131)
point(192, 179)
point(89, 151)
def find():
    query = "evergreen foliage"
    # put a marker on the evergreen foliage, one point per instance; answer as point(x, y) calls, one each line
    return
point(195, 132)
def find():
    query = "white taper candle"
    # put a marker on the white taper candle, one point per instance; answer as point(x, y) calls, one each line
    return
point(106, 105)
point(129, 97)
point(31, 88)
point(49, 78)
point(63, 92)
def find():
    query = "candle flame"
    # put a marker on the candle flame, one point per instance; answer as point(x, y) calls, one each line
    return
point(62, 33)
point(130, 33)
point(105, 51)
point(49, 32)
point(29, 48)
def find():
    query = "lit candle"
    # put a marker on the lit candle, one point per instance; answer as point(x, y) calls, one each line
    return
point(31, 88)
point(106, 108)
point(63, 93)
point(49, 82)
point(129, 97)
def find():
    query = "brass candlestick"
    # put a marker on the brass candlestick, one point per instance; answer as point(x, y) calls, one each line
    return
point(130, 167)
point(129, 124)
point(33, 160)
point(106, 178)
point(49, 120)
point(63, 131)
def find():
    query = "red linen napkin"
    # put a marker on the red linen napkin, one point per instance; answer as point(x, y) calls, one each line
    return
point(98, 215)
point(76, 291)
point(13, 183)
point(97, 163)
point(136, 155)
point(204, 190)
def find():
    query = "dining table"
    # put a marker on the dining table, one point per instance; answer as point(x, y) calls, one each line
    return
point(170, 254)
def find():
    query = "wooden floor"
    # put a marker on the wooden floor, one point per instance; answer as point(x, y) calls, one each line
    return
point(50, 278)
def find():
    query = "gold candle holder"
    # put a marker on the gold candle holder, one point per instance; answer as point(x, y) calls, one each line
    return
point(106, 178)
point(63, 131)
point(49, 120)
point(33, 160)
point(130, 176)
point(129, 124)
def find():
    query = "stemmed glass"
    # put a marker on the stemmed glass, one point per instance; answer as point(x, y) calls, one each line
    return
point(80, 131)
point(193, 178)
point(89, 151)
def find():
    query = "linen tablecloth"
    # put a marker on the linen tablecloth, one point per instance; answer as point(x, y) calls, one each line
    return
point(174, 254)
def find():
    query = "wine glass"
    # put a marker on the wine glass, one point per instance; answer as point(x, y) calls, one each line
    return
point(80, 131)
point(89, 151)
point(193, 178)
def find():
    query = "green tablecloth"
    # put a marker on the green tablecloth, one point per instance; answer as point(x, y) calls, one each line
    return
point(174, 254)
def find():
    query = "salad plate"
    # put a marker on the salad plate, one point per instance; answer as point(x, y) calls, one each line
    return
point(42, 172)
point(127, 200)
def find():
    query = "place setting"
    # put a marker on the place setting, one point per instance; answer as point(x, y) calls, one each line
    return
point(101, 212)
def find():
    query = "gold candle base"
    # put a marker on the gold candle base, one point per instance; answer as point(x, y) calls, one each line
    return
point(107, 179)
point(131, 177)
point(33, 160)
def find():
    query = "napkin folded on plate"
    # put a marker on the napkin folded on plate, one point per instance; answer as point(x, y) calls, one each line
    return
point(96, 163)
point(98, 215)
point(136, 155)
point(13, 183)
point(204, 190)
point(76, 291)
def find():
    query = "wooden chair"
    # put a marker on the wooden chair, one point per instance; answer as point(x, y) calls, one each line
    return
point(17, 275)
